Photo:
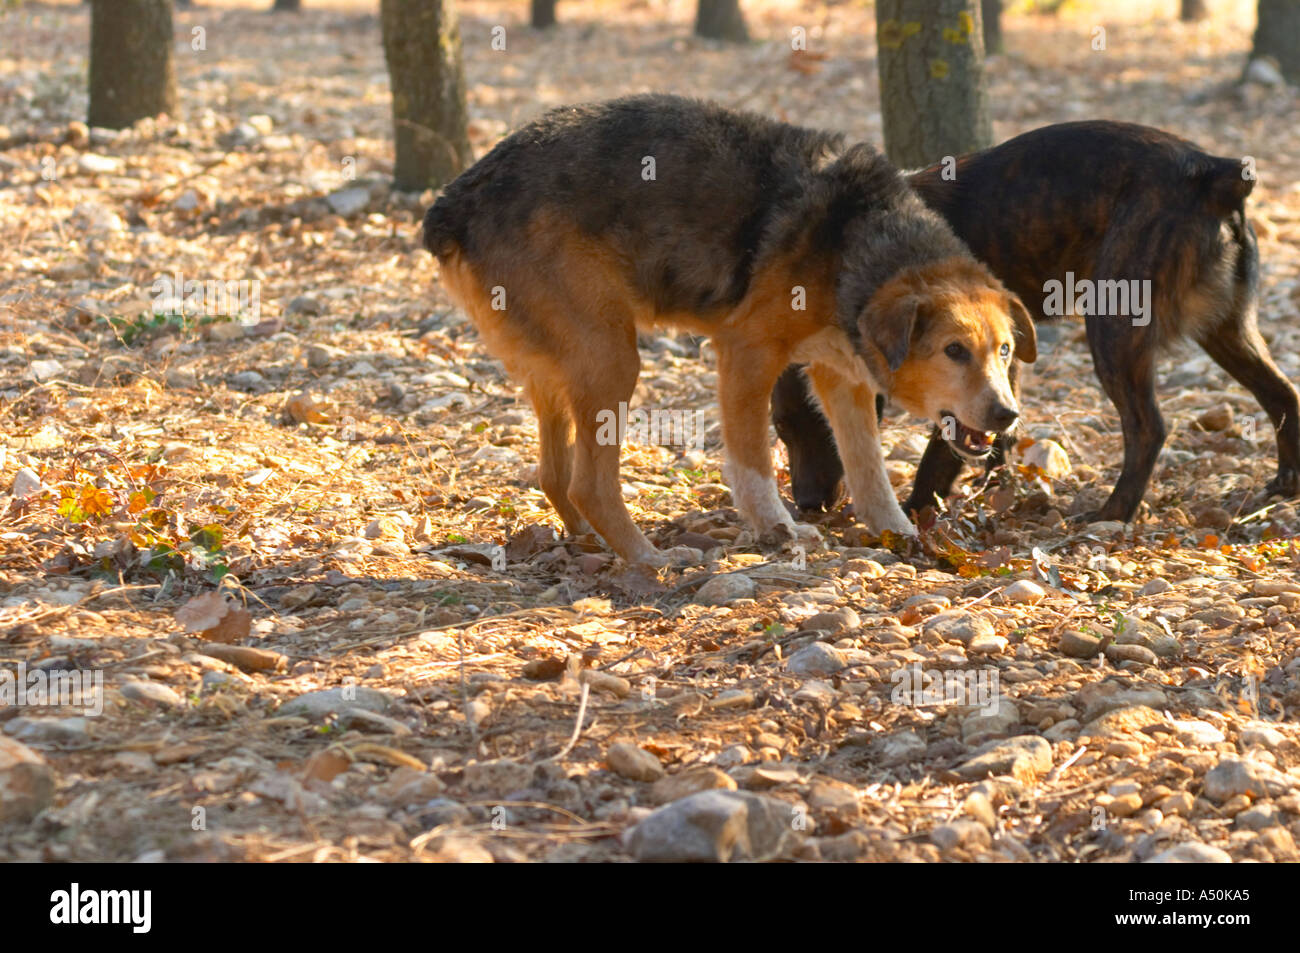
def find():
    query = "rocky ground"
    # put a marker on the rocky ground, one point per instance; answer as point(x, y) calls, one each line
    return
point(307, 556)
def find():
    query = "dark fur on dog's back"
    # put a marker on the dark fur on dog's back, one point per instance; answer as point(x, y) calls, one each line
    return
point(1105, 200)
point(727, 187)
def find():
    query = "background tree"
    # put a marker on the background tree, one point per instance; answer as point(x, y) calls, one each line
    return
point(991, 10)
point(288, 6)
point(933, 96)
point(422, 47)
point(131, 70)
point(721, 20)
point(1190, 11)
point(1278, 35)
point(543, 14)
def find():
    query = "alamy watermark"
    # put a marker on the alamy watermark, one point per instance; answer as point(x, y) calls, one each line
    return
point(213, 297)
point(57, 689)
point(663, 428)
point(919, 688)
point(1119, 297)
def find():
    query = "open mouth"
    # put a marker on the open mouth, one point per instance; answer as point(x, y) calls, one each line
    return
point(967, 441)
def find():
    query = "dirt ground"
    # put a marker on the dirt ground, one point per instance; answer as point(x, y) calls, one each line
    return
point(307, 555)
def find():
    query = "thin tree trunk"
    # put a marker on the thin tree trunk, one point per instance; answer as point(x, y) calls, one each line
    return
point(721, 20)
point(934, 99)
point(423, 50)
point(1192, 11)
point(543, 14)
point(287, 6)
point(991, 10)
point(1278, 35)
point(131, 70)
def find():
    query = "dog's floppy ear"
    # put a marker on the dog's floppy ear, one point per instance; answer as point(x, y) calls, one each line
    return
point(889, 324)
point(1026, 336)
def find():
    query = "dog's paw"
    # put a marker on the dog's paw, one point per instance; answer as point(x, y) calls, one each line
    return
point(808, 536)
point(678, 557)
point(1286, 483)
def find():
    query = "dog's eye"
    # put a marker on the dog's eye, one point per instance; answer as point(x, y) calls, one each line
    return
point(956, 352)
point(1006, 351)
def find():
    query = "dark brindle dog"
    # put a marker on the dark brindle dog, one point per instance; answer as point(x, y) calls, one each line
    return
point(1104, 200)
point(777, 242)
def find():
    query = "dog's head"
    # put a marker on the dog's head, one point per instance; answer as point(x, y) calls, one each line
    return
point(947, 333)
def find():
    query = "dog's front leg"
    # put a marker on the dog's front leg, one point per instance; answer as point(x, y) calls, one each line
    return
point(851, 409)
point(745, 379)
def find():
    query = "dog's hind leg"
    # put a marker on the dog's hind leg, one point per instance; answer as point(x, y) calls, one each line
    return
point(1125, 365)
point(555, 462)
point(851, 409)
point(1237, 347)
point(600, 378)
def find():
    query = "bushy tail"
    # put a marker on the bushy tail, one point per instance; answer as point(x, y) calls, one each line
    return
point(1227, 182)
point(441, 234)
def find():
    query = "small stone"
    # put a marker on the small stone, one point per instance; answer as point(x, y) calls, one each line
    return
point(607, 683)
point(1216, 418)
point(1197, 732)
point(1233, 776)
point(988, 644)
point(151, 693)
point(724, 589)
point(499, 777)
point(1179, 803)
point(1078, 644)
point(634, 763)
point(1257, 818)
point(319, 704)
point(1049, 457)
point(72, 730)
point(983, 726)
point(310, 305)
point(958, 626)
point(348, 202)
point(691, 781)
point(299, 598)
point(1024, 591)
point(979, 807)
point(834, 623)
point(26, 782)
point(1154, 587)
point(1193, 852)
point(716, 826)
point(900, 748)
point(27, 484)
point(968, 834)
point(1131, 653)
point(1025, 757)
point(817, 658)
point(94, 164)
point(1126, 805)
point(1261, 736)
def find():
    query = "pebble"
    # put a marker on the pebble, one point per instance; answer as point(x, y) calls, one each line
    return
point(715, 827)
point(958, 626)
point(1234, 776)
point(691, 781)
point(1192, 852)
point(724, 589)
point(988, 644)
point(840, 620)
point(1078, 644)
point(1154, 587)
point(900, 748)
point(152, 693)
point(499, 776)
point(1131, 653)
point(1257, 818)
point(319, 704)
point(968, 834)
point(1197, 732)
point(348, 202)
point(1024, 591)
point(1025, 758)
point(49, 730)
point(27, 483)
point(26, 782)
point(1261, 736)
point(634, 763)
point(815, 659)
point(1050, 457)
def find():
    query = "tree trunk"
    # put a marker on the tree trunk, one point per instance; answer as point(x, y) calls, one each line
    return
point(131, 70)
point(1192, 11)
point(543, 14)
point(422, 47)
point(933, 97)
point(1278, 35)
point(991, 10)
point(287, 6)
point(721, 20)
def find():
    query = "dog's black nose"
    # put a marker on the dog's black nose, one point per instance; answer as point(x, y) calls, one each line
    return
point(1003, 416)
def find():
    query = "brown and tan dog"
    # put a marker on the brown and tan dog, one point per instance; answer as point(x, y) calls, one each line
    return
point(775, 241)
